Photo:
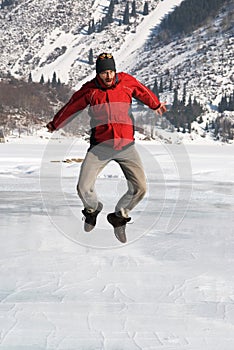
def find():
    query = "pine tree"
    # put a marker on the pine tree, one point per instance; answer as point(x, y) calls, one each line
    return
point(175, 101)
point(231, 102)
point(161, 85)
point(189, 113)
point(223, 105)
point(126, 14)
point(90, 29)
point(133, 13)
point(184, 95)
point(54, 80)
point(170, 84)
point(213, 125)
point(93, 25)
point(30, 78)
point(42, 81)
point(189, 124)
point(190, 101)
point(111, 11)
point(197, 108)
point(91, 61)
point(155, 88)
point(200, 120)
point(99, 26)
point(146, 8)
point(103, 23)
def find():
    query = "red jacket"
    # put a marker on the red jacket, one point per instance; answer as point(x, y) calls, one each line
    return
point(111, 121)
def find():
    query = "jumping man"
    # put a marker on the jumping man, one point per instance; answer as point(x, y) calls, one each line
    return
point(109, 97)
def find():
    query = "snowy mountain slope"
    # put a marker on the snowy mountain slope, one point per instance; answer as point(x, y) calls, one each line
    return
point(203, 61)
point(129, 50)
point(52, 36)
point(33, 26)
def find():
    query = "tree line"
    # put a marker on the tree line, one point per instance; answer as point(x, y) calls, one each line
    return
point(34, 103)
point(226, 103)
point(188, 17)
point(184, 110)
point(55, 82)
point(6, 3)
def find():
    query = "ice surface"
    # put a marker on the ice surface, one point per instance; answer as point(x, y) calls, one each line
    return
point(171, 287)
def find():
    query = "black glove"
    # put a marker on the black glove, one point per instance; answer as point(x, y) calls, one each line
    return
point(50, 127)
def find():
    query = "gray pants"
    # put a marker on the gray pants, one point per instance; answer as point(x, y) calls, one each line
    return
point(129, 161)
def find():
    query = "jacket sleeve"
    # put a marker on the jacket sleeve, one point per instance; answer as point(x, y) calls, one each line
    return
point(78, 102)
point(144, 94)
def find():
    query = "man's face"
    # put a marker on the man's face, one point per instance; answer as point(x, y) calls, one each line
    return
point(107, 77)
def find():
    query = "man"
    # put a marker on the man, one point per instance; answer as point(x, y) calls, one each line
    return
point(109, 97)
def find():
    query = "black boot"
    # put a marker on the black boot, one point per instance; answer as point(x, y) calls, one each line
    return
point(91, 218)
point(119, 224)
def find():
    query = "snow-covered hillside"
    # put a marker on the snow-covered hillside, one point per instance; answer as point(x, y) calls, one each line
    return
point(52, 36)
point(47, 36)
point(203, 61)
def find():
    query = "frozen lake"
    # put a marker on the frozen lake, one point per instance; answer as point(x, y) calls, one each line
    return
point(170, 287)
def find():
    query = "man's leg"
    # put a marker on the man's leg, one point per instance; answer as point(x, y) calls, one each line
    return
point(92, 165)
point(94, 162)
point(131, 165)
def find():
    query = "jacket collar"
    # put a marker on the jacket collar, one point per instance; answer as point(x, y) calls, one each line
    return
point(101, 86)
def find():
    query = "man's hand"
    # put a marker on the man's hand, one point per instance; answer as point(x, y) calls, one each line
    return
point(162, 109)
point(50, 127)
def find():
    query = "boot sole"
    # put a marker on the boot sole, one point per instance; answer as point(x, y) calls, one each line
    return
point(121, 238)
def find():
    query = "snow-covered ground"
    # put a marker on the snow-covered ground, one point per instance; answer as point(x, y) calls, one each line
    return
point(171, 287)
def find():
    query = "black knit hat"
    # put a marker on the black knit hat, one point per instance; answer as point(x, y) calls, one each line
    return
point(105, 61)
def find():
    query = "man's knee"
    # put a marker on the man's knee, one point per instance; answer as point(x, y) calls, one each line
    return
point(140, 190)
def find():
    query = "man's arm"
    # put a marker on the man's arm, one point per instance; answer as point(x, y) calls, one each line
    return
point(146, 96)
point(78, 102)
